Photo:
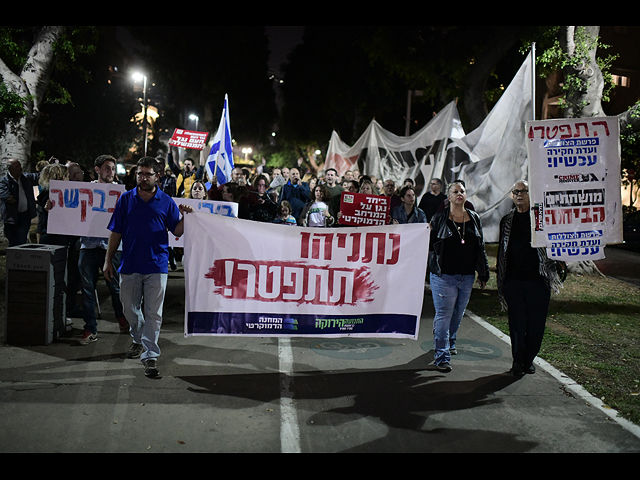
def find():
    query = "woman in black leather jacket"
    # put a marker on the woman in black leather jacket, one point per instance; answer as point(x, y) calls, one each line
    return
point(457, 253)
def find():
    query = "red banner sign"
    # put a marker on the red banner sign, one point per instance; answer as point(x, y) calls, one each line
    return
point(190, 140)
point(359, 210)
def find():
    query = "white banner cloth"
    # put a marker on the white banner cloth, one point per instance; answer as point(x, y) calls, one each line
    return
point(250, 278)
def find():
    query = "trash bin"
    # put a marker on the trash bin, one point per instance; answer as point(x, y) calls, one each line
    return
point(35, 294)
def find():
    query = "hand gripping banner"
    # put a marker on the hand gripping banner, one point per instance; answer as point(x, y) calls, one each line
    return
point(265, 280)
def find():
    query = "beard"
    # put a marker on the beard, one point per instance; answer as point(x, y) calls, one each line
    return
point(147, 187)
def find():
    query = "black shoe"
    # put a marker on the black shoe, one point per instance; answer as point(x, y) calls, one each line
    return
point(517, 370)
point(151, 368)
point(444, 367)
point(530, 370)
point(135, 350)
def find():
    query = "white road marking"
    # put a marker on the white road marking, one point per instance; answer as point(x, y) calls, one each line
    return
point(289, 427)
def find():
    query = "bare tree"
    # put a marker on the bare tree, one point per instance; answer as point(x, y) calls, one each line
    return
point(30, 85)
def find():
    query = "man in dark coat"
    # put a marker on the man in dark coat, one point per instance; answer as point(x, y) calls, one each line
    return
point(17, 203)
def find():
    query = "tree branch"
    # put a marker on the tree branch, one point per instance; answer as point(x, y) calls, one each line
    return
point(41, 60)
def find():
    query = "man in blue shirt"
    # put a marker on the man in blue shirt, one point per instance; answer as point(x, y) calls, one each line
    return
point(141, 221)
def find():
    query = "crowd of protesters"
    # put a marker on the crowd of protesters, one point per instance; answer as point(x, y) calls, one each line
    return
point(283, 196)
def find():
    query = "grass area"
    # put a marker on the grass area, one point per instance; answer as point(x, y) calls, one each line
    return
point(592, 336)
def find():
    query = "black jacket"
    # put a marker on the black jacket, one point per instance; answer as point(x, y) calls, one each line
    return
point(440, 231)
point(9, 188)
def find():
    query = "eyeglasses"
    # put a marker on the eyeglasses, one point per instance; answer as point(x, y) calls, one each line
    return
point(518, 192)
point(145, 174)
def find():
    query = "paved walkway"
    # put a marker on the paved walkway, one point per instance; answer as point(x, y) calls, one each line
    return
point(300, 395)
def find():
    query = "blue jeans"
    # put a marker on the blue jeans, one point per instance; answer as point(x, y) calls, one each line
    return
point(451, 294)
point(90, 264)
point(145, 326)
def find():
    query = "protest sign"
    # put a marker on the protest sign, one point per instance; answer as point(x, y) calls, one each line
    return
point(359, 210)
point(226, 209)
point(189, 140)
point(82, 209)
point(575, 186)
point(266, 280)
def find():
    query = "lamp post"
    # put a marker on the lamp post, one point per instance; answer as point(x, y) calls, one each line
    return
point(196, 119)
point(138, 77)
point(412, 93)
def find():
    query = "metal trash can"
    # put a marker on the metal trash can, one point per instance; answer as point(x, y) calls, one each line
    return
point(35, 294)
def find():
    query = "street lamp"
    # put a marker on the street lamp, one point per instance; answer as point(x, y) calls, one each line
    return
point(196, 119)
point(137, 77)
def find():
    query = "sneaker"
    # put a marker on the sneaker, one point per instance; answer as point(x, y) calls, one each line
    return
point(444, 367)
point(124, 325)
point(88, 337)
point(135, 350)
point(151, 368)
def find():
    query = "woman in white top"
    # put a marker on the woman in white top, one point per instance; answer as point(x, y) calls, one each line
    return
point(316, 212)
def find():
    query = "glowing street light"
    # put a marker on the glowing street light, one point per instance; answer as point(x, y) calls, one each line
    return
point(139, 77)
point(196, 119)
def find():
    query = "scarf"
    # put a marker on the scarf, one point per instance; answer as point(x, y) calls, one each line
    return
point(547, 268)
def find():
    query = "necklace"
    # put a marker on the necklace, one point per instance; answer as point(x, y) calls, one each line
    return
point(462, 234)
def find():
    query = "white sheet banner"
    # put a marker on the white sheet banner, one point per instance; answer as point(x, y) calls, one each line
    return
point(266, 280)
point(82, 209)
point(575, 186)
point(387, 156)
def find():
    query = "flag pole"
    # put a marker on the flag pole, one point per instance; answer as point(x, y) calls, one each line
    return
point(533, 80)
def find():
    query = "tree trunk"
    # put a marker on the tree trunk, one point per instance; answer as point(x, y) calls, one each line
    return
point(31, 85)
point(584, 99)
point(484, 65)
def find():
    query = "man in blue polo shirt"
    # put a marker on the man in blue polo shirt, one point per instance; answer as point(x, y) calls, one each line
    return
point(142, 219)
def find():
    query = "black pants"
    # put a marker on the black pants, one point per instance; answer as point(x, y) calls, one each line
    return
point(528, 302)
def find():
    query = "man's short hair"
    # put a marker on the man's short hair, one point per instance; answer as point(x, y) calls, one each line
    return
point(104, 158)
point(149, 162)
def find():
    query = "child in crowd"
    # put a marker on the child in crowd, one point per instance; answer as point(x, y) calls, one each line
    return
point(284, 215)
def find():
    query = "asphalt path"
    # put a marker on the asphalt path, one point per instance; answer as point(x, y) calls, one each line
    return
point(301, 395)
point(622, 263)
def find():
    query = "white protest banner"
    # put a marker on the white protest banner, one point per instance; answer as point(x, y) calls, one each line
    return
point(575, 186)
point(226, 209)
point(189, 140)
point(381, 154)
point(82, 209)
point(497, 153)
point(266, 280)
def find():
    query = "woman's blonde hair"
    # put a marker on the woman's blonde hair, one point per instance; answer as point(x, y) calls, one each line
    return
point(54, 171)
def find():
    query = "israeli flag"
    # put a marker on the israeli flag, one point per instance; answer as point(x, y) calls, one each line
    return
point(220, 159)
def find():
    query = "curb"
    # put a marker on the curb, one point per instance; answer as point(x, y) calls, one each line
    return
point(569, 384)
